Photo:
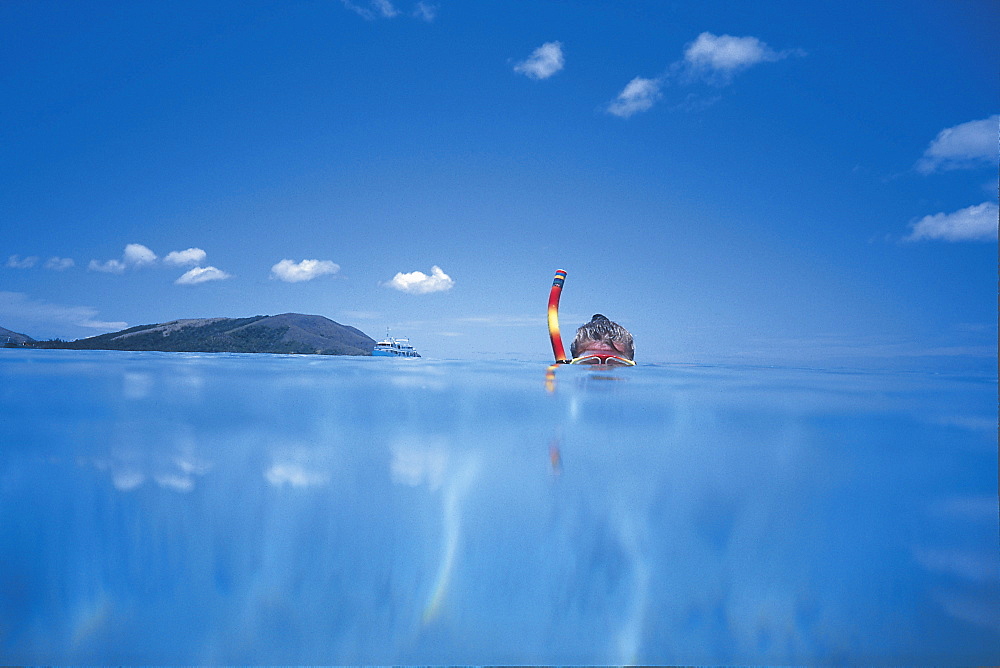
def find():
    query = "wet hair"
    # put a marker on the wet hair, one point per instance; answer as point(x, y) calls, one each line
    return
point(601, 329)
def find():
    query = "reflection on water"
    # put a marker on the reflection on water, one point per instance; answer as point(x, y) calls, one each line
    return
point(172, 508)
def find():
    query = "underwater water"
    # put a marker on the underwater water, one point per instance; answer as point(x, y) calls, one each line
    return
point(229, 509)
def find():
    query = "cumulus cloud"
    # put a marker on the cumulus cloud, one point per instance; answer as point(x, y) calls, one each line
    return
point(728, 54)
point(17, 307)
point(59, 263)
point(134, 255)
point(201, 275)
point(296, 272)
point(185, 257)
point(543, 62)
point(138, 255)
point(109, 267)
point(17, 262)
point(711, 59)
point(967, 145)
point(974, 223)
point(419, 283)
point(638, 95)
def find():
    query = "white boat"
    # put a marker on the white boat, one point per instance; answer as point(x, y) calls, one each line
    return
point(390, 347)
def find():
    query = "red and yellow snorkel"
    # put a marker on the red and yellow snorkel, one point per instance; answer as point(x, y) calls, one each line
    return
point(554, 294)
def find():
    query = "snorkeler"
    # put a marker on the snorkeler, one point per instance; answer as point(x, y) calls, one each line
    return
point(600, 341)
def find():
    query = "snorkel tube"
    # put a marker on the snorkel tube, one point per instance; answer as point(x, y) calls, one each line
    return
point(554, 294)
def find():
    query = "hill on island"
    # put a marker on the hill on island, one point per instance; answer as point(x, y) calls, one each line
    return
point(9, 338)
point(286, 333)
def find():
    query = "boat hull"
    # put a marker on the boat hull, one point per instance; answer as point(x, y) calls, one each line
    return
point(393, 353)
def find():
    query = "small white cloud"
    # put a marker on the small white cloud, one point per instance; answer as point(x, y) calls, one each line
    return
point(135, 255)
point(17, 262)
point(544, 61)
point(385, 8)
point(59, 263)
point(374, 9)
point(638, 95)
point(974, 223)
point(425, 11)
point(126, 481)
point(201, 275)
point(419, 283)
point(185, 257)
point(190, 465)
point(109, 267)
point(177, 483)
point(967, 145)
point(296, 272)
point(725, 53)
point(138, 255)
point(294, 475)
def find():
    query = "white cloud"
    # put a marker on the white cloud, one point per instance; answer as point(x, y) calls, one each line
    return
point(425, 11)
point(15, 306)
point(385, 8)
point(59, 263)
point(544, 61)
point(419, 283)
point(294, 475)
point(638, 95)
point(727, 54)
point(201, 275)
point(974, 223)
point(138, 255)
point(109, 267)
point(295, 272)
point(17, 262)
point(967, 145)
point(189, 256)
point(177, 483)
point(373, 10)
point(126, 481)
point(135, 255)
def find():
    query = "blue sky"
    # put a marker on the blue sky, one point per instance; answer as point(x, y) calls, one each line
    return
point(779, 182)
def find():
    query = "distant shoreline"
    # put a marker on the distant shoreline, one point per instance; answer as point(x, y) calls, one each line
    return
point(288, 333)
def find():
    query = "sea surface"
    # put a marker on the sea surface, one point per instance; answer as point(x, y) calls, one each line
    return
point(230, 509)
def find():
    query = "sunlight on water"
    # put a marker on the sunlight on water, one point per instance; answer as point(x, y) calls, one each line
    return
point(187, 508)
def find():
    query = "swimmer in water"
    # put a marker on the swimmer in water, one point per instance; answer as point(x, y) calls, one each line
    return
point(602, 341)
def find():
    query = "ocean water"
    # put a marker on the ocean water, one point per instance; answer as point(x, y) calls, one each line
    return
point(228, 509)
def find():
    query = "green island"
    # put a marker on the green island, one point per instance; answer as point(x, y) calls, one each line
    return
point(285, 333)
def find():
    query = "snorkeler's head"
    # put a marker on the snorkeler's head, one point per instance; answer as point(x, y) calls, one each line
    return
point(601, 335)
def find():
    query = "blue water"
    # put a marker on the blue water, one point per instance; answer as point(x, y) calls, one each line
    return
point(193, 508)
